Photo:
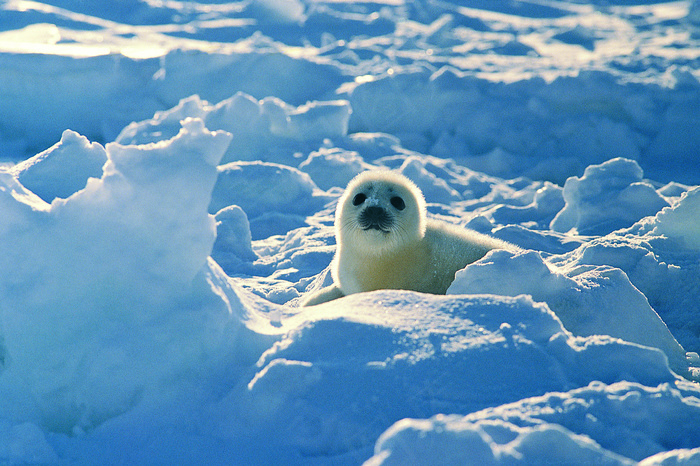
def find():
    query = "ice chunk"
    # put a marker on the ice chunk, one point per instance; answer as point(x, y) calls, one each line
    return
point(434, 189)
point(262, 189)
point(314, 120)
point(607, 197)
point(233, 240)
point(677, 457)
point(268, 129)
point(62, 169)
point(588, 300)
point(91, 280)
point(333, 167)
point(282, 11)
point(598, 424)
point(682, 221)
point(440, 441)
point(417, 441)
point(164, 124)
point(674, 149)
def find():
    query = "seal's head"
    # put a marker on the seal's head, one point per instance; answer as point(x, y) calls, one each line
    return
point(380, 211)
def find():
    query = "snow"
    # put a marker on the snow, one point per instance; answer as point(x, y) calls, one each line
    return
point(588, 300)
point(59, 171)
point(679, 221)
point(541, 430)
point(608, 197)
point(168, 178)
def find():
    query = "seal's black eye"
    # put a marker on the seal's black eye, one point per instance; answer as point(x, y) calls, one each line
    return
point(358, 199)
point(398, 203)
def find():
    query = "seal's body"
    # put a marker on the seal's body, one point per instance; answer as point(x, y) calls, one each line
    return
point(385, 241)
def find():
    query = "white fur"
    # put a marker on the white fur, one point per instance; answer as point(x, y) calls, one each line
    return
point(414, 253)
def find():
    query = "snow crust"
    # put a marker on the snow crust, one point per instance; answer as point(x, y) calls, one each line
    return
point(607, 197)
point(167, 187)
point(537, 430)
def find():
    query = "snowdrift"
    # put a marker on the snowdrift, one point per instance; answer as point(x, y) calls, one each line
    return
point(152, 258)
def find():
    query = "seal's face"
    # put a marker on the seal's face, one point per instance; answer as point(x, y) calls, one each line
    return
point(376, 217)
point(380, 211)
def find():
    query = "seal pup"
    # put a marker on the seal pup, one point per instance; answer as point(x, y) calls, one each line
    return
point(385, 241)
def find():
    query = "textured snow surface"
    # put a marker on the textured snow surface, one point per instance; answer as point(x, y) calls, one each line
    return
point(168, 179)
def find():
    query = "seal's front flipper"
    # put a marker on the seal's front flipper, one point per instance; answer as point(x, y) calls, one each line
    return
point(321, 296)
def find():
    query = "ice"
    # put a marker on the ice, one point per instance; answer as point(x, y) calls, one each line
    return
point(654, 261)
point(541, 429)
point(116, 89)
point(330, 167)
point(446, 443)
point(233, 245)
point(681, 456)
point(264, 189)
point(62, 169)
point(169, 173)
point(362, 378)
point(588, 300)
point(314, 120)
point(109, 259)
point(25, 443)
point(433, 187)
point(525, 127)
point(262, 130)
point(283, 11)
point(607, 197)
point(680, 221)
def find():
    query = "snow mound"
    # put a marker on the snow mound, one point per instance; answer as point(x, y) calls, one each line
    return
point(62, 169)
point(264, 190)
point(148, 279)
point(657, 255)
point(588, 300)
point(680, 222)
point(527, 127)
point(95, 307)
point(282, 11)
point(433, 187)
point(333, 167)
point(267, 129)
point(607, 197)
point(598, 424)
point(233, 245)
point(446, 442)
point(25, 443)
point(347, 358)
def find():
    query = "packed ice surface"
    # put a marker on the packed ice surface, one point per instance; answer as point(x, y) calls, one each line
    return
point(168, 184)
point(540, 430)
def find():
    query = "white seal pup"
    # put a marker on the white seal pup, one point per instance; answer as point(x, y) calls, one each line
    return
point(385, 241)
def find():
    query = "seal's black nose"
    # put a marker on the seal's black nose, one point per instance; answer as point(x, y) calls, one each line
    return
point(375, 218)
point(374, 213)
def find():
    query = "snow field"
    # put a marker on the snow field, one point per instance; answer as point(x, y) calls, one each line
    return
point(190, 304)
point(152, 258)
